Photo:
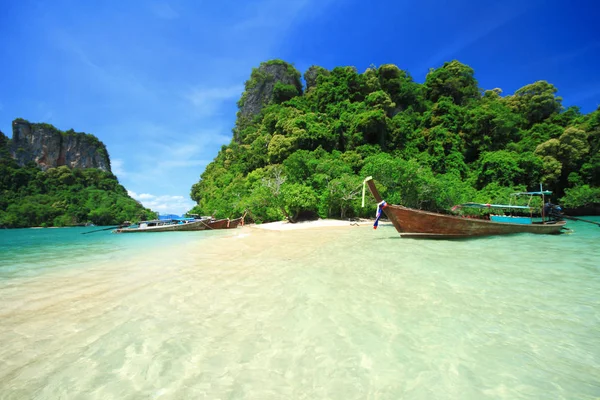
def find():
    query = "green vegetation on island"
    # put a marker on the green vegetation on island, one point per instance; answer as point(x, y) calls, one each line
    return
point(305, 152)
point(62, 196)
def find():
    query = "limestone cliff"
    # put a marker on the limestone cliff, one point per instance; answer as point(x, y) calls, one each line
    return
point(272, 81)
point(312, 74)
point(4, 143)
point(49, 147)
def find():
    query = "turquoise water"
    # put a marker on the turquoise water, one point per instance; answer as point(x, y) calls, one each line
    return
point(27, 252)
point(338, 313)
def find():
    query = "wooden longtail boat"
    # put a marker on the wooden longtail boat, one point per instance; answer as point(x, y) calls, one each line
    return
point(234, 223)
point(218, 224)
point(418, 223)
point(165, 226)
point(182, 224)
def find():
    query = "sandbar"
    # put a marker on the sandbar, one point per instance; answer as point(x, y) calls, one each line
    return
point(319, 223)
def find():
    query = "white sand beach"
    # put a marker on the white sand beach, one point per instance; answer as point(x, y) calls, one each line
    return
point(280, 310)
point(320, 223)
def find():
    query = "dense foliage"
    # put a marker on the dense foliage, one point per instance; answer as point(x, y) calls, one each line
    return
point(427, 145)
point(61, 196)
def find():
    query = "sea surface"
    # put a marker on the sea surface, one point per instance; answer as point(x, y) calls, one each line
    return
point(327, 313)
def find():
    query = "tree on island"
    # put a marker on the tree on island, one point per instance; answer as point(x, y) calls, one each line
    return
point(428, 145)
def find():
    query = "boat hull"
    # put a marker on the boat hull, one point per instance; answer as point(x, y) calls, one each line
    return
point(199, 225)
point(417, 223)
point(218, 224)
point(191, 226)
point(234, 223)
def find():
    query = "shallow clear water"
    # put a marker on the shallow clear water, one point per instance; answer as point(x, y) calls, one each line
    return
point(340, 313)
point(29, 252)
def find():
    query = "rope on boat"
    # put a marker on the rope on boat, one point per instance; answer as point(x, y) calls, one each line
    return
point(103, 229)
point(205, 224)
point(578, 219)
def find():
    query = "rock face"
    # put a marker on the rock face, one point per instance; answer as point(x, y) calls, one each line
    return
point(4, 153)
point(311, 75)
point(261, 85)
point(49, 147)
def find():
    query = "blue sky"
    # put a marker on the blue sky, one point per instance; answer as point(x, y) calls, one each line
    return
point(158, 81)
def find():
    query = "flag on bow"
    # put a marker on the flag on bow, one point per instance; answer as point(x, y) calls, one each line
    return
point(380, 208)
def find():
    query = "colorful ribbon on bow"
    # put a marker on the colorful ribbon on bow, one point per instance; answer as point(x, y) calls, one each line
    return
point(380, 208)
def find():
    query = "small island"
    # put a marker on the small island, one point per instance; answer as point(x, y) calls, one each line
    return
point(51, 178)
point(302, 151)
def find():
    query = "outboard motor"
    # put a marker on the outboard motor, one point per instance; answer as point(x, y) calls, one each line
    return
point(553, 211)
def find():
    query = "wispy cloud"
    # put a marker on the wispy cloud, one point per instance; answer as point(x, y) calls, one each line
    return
point(47, 115)
point(207, 101)
point(170, 161)
point(490, 21)
point(590, 92)
point(100, 73)
point(573, 54)
point(565, 56)
point(163, 203)
point(163, 10)
point(160, 95)
point(117, 167)
point(274, 14)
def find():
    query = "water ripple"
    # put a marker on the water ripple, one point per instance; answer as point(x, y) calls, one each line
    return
point(338, 313)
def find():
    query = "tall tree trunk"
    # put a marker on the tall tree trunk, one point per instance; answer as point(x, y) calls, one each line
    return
point(292, 220)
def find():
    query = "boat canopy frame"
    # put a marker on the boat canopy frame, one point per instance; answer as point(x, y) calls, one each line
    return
point(542, 193)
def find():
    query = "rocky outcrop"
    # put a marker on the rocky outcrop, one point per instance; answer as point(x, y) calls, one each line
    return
point(312, 74)
point(4, 149)
point(49, 147)
point(265, 82)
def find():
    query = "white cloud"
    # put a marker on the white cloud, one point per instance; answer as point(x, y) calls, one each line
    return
point(164, 158)
point(164, 204)
point(183, 163)
point(116, 165)
point(171, 161)
point(164, 129)
point(207, 101)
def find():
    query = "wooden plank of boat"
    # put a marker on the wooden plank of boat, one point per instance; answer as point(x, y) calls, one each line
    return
point(430, 236)
point(408, 221)
point(190, 226)
point(218, 224)
point(234, 223)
